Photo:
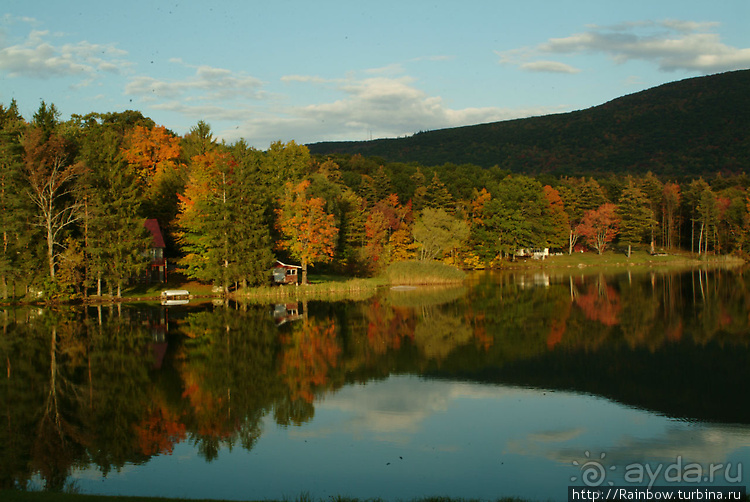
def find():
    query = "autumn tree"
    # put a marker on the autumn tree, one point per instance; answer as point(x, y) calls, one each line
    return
point(154, 153)
point(579, 196)
point(599, 226)
point(732, 219)
point(308, 232)
point(558, 218)
point(384, 219)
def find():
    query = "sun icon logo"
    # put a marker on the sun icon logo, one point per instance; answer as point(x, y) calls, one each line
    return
point(593, 472)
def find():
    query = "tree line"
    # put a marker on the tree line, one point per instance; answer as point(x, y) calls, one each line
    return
point(74, 196)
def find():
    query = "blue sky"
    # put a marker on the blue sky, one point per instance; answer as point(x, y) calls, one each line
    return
point(350, 70)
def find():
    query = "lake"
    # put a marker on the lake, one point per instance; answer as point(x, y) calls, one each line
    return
point(514, 384)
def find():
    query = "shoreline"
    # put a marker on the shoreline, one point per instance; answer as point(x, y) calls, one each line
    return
point(353, 288)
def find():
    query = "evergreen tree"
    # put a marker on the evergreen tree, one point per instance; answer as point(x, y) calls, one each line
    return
point(14, 208)
point(437, 195)
point(636, 217)
point(420, 190)
point(654, 190)
point(250, 238)
point(109, 192)
point(223, 233)
point(283, 163)
point(516, 217)
point(198, 140)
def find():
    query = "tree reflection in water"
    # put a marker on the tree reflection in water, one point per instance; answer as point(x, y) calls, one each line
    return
point(83, 387)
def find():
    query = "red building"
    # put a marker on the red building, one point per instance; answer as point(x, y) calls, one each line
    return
point(285, 274)
point(157, 271)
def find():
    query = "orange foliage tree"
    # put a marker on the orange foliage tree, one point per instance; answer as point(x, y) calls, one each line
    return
point(559, 218)
point(599, 226)
point(151, 152)
point(309, 233)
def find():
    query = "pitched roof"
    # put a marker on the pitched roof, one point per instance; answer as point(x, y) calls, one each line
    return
point(279, 262)
point(153, 226)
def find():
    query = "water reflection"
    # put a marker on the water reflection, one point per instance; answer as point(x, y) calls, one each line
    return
point(460, 378)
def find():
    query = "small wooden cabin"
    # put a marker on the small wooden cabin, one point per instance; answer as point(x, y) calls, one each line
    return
point(285, 274)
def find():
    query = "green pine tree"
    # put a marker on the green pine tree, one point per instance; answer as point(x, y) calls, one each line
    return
point(636, 216)
point(15, 209)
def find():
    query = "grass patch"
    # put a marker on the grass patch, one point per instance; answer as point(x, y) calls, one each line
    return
point(319, 288)
point(412, 273)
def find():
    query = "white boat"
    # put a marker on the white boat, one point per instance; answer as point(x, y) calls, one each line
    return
point(175, 297)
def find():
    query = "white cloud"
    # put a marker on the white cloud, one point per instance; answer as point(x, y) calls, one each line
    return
point(374, 104)
point(207, 83)
point(370, 107)
point(670, 44)
point(38, 57)
point(549, 66)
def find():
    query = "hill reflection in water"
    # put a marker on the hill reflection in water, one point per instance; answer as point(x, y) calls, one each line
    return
point(489, 390)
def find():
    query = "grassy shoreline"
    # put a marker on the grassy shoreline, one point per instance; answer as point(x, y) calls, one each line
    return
point(409, 273)
point(616, 261)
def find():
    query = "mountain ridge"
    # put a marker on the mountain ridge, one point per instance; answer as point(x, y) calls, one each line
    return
point(696, 126)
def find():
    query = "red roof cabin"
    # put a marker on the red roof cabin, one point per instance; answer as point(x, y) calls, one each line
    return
point(285, 274)
point(157, 271)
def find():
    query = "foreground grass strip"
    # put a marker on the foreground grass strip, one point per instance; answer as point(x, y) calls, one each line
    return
point(38, 496)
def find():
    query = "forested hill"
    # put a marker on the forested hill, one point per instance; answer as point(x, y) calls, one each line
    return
point(698, 126)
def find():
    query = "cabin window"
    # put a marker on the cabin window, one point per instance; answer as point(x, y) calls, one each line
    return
point(291, 271)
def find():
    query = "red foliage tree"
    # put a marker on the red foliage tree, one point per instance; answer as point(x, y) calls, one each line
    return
point(599, 226)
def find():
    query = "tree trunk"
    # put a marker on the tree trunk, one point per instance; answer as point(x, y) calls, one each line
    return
point(304, 272)
point(570, 243)
point(85, 248)
point(628, 250)
point(51, 251)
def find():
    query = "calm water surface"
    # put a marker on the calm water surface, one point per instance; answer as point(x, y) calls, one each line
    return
point(514, 385)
